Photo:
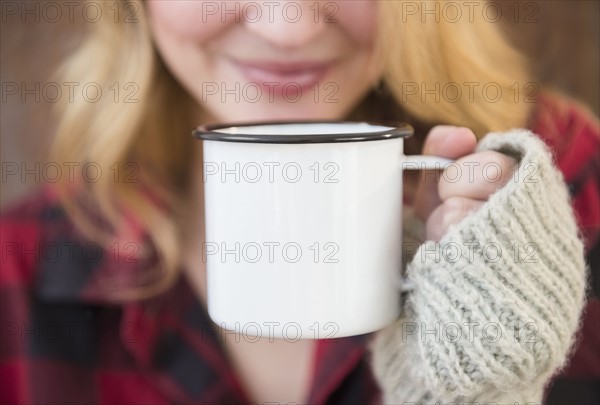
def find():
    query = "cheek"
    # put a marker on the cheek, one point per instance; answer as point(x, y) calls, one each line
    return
point(194, 20)
point(358, 18)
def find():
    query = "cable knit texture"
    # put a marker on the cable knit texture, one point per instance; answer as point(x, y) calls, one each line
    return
point(496, 303)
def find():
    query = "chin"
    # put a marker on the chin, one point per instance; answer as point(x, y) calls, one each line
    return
point(274, 112)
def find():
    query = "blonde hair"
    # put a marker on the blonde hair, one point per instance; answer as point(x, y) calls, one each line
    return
point(478, 79)
point(153, 132)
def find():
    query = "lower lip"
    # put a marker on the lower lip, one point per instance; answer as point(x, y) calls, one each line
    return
point(285, 84)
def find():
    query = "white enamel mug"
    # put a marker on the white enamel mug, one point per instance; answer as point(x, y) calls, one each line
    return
point(304, 226)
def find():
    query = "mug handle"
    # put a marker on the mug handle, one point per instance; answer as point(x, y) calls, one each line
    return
point(420, 162)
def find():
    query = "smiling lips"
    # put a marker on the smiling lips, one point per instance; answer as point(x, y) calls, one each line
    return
point(299, 76)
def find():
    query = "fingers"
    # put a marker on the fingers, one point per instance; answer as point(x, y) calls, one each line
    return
point(444, 199)
point(476, 176)
point(449, 141)
point(445, 141)
point(450, 212)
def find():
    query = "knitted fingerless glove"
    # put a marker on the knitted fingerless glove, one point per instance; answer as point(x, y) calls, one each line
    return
point(497, 301)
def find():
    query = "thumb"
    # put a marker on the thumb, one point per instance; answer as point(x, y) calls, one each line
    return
point(444, 141)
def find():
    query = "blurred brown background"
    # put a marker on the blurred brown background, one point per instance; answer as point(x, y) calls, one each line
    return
point(562, 37)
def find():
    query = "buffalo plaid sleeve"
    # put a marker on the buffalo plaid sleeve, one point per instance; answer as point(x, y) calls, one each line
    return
point(20, 231)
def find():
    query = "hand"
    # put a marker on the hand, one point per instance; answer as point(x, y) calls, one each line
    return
point(464, 186)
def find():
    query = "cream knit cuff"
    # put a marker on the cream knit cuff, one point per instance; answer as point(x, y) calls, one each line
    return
point(497, 301)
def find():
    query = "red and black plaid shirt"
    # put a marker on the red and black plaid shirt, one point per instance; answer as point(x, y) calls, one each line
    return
point(63, 344)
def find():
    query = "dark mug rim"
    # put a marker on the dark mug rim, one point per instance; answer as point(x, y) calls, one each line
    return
point(210, 133)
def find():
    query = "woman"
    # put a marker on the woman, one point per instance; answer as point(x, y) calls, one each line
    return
point(128, 324)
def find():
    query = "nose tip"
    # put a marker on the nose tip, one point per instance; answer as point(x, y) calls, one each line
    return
point(286, 24)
